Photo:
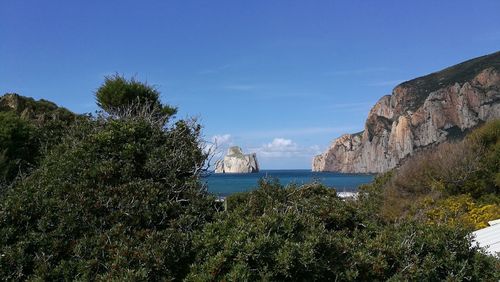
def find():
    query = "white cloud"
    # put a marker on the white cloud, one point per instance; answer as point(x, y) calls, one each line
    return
point(218, 144)
point(280, 145)
point(285, 148)
point(222, 139)
point(280, 142)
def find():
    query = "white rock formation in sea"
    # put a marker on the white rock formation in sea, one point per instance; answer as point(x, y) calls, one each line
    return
point(419, 114)
point(237, 162)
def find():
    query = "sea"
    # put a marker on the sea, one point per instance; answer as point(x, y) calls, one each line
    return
point(223, 185)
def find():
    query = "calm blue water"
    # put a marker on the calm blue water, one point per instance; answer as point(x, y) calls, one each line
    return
point(226, 184)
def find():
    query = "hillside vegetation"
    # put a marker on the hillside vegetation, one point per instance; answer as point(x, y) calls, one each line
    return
point(28, 129)
point(118, 197)
point(454, 183)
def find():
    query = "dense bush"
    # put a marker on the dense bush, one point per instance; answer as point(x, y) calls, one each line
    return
point(118, 94)
point(308, 234)
point(459, 210)
point(119, 198)
point(28, 129)
point(18, 146)
point(276, 233)
point(488, 139)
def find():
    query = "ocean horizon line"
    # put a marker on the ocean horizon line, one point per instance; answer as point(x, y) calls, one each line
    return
point(292, 169)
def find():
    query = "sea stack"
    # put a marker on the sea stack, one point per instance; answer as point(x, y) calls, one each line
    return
point(237, 162)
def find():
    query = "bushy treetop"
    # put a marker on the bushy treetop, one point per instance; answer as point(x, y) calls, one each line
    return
point(118, 93)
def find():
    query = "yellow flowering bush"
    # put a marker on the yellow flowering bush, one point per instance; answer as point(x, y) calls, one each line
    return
point(460, 210)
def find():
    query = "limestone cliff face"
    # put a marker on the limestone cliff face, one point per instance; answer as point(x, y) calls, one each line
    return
point(237, 162)
point(419, 113)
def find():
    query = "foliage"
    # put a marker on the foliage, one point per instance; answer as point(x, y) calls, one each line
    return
point(452, 169)
point(37, 112)
point(28, 129)
point(18, 145)
point(459, 210)
point(488, 139)
point(370, 196)
point(272, 233)
point(117, 199)
point(117, 93)
point(307, 233)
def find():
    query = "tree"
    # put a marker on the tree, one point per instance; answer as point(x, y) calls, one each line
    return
point(117, 94)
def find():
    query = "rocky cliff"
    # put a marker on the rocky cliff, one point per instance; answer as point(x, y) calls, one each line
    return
point(37, 111)
point(237, 162)
point(420, 113)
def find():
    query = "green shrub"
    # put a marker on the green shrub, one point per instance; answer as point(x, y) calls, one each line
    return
point(413, 251)
point(28, 130)
point(18, 146)
point(117, 94)
point(117, 199)
point(275, 233)
point(308, 234)
point(488, 139)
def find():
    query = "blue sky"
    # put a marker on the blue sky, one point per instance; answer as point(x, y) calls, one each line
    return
point(280, 78)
